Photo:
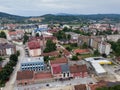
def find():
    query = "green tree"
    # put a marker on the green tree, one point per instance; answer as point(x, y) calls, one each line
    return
point(18, 53)
point(13, 57)
point(50, 46)
point(96, 53)
point(25, 38)
point(37, 35)
point(69, 48)
point(2, 35)
point(74, 57)
point(84, 46)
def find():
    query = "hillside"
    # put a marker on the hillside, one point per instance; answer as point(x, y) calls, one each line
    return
point(68, 18)
point(62, 17)
point(9, 18)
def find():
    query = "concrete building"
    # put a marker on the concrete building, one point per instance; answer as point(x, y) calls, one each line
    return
point(32, 63)
point(104, 48)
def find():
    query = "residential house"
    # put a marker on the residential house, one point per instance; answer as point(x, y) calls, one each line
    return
point(18, 34)
point(60, 68)
point(25, 77)
point(78, 71)
point(34, 48)
point(60, 71)
point(61, 60)
point(7, 49)
point(33, 64)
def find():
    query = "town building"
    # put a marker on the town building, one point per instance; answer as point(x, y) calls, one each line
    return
point(7, 49)
point(34, 48)
point(33, 64)
point(25, 77)
point(78, 71)
point(18, 34)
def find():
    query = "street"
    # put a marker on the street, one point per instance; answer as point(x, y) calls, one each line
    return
point(10, 84)
point(39, 86)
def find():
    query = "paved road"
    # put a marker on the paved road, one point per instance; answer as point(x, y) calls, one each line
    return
point(10, 84)
point(56, 84)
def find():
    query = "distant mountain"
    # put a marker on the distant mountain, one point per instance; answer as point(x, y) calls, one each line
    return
point(60, 17)
point(9, 18)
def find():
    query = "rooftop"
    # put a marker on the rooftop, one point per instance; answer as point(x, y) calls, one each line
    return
point(59, 60)
point(54, 53)
point(43, 75)
point(78, 68)
point(6, 45)
point(33, 45)
point(33, 59)
point(80, 87)
point(23, 75)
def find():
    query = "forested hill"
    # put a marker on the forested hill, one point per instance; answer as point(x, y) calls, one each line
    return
point(9, 18)
point(64, 18)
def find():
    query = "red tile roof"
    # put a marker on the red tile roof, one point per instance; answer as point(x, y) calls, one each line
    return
point(23, 75)
point(80, 87)
point(54, 53)
point(43, 75)
point(16, 32)
point(56, 69)
point(81, 51)
point(78, 68)
point(33, 45)
point(59, 61)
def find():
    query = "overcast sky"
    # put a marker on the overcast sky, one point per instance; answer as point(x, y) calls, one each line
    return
point(40, 7)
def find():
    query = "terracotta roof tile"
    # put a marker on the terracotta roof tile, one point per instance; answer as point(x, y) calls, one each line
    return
point(80, 87)
point(54, 53)
point(56, 69)
point(78, 68)
point(22, 75)
point(43, 75)
point(59, 60)
point(33, 44)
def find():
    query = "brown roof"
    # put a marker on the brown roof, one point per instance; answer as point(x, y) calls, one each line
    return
point(54, 53)
point(66, 52)
point(21, 75)
point(43, 75)
point(78, 68)
point(59, 60)
point(97, 85)
point(80, 87)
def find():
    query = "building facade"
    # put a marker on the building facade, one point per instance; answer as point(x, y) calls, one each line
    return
point(33, 64)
